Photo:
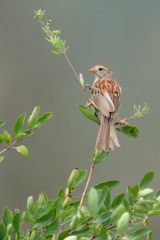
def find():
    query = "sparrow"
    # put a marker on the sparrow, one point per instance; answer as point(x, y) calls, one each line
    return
point(106, 94)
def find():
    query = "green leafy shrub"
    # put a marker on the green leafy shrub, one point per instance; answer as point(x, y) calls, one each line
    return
point(94, 215)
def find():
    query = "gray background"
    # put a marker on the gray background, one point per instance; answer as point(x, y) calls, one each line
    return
point(121, 34)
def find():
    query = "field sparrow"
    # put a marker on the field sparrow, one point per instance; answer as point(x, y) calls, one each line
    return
point(106, 94)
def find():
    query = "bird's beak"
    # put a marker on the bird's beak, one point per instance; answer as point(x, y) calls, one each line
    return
point(93, 70)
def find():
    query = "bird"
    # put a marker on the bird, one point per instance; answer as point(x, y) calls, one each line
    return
point(106, 94)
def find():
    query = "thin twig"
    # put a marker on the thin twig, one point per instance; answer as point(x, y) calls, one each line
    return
point(93, 164)
point(11, 145)
point(68, 61)
point(94, 236)
point(85, 94)
point(87, 184)
point(75, 74)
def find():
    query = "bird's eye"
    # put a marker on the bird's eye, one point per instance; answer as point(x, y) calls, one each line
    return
point(100, 69)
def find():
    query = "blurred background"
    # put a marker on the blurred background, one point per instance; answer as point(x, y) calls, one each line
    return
point(121, 34)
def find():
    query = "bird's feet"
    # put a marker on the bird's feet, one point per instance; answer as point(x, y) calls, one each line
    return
point(122, 121)
point(90, 102)
point(87, 86)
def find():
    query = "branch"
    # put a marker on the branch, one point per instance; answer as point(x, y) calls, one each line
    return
point(51, 35)
point(87, 184)
point(62, 50)
point(11, 145)
point(75, 74)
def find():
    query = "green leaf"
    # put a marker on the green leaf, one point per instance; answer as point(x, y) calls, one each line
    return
point(107, 200)
point(83, 238)
point(117, 213)
point(67, 201)
point(39, 14)
point(72, 237)
point(33, 234)
point(109, 184)
point(131, 198)
point(99, 156)
point(135, 109)
point(135, 191)
point(148, 177)
point(117, 200)
point(44, 220)
point(41, 120)
point(27, 217)
point(7, 217)
point(44, 208)
point(23, 150)
point(63, 235)
point(154, 213)
point(2, 231)
point(74, 223)
point(81, 80)
point(122, 223)
point(66, 212)
point(88, 114)
point(81, 177)
point(146, 192)
point(139, 233)
point(58, 204)
point(2, 158)
point(55, 52)
point(126, 205)
point(102, 218)
point(43, 199)
point(102, 198)
point(72, 179)
point(16, 222)
point(2, 123)
point(10, 228)
point(93, 201)
point(52, 228)
point(7, 137)
point(33, 118)
point(157, 194)
point(140, 208)
point(129, 131)
point(149, 237)
point(19, 126)
point(103, 233)
point(145, 109)
point(30, 204)
point(82, 232)
point(61, 193)
point(76, 204)
point(83, 214)
point(26, 133)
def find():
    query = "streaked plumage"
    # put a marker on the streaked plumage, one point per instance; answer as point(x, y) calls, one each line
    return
point(106, 96)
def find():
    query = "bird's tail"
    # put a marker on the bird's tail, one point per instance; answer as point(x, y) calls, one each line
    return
point(107, 136)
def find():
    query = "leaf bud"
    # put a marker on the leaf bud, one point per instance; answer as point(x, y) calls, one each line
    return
point(67, 201)
point(72, 179)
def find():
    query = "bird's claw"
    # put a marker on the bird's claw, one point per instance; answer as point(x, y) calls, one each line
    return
point(87, 86)
point(90, 102)
point(123, 121)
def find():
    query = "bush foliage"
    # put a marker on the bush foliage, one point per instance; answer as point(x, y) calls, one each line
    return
point(94, 215)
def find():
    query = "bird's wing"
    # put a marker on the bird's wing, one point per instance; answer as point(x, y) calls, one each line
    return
point(106, 95)
point(103, 103)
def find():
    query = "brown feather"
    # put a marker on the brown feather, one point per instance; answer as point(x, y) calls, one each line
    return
point(106, 95)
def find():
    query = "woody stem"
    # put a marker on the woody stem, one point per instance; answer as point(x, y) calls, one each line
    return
point(75, 74)
point(87, 184)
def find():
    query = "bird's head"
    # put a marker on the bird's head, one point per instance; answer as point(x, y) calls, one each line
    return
point(101, 72)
